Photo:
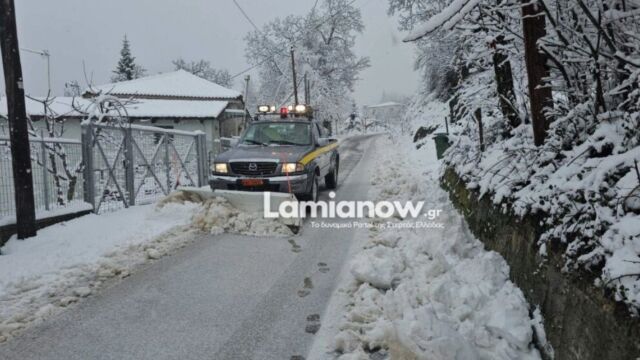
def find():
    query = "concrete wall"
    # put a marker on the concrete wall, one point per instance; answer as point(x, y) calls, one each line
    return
point(581, 320)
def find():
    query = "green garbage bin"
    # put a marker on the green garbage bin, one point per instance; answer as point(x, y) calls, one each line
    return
point(442, 143)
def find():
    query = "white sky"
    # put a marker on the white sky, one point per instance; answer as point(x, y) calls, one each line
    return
point(162, 30)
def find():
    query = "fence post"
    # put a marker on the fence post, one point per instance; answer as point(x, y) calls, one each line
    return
point(167, 166)
point(45, 170)
point(87, 159)
point(129, 165)
point(201, 148)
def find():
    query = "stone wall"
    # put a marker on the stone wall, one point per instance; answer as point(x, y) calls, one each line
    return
point(581, 321)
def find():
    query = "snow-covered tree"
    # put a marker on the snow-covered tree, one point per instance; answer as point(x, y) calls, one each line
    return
point(586, 84)
point(203, 69)
point(127, 69)
point(323, 41)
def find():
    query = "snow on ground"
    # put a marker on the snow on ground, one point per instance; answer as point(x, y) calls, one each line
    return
point(69, 261)
point(430, 293)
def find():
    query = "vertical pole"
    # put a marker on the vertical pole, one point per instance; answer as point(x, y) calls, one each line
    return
point(540, 95)
point(446, 124)
point(246, 98)
point(201, 151)
point(45, 172)
point(87, 159)
point(306, 89)
point(167, 167)
point(17, 116)
point(46, 53)
point(478, 115)
point(205, 161)
point(295, 80)
point(129, 165)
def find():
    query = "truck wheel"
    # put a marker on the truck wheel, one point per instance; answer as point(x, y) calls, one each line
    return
point(312, 195)
point(331, 179)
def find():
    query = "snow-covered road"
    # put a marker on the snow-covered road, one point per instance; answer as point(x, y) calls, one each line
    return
point(222, 297)
point(327, 293)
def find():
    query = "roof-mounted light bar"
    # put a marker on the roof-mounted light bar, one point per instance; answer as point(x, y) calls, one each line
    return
point(285, 111)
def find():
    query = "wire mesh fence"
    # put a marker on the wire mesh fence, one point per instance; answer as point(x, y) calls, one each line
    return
point(132, 164)
point(57, 170)
point(111, 168)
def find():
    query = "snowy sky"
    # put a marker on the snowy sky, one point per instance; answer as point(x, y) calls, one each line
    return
point(162, 30)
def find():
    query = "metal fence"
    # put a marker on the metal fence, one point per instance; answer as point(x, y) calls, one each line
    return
point(57, 175)
point(112, 167)
point(132, 164)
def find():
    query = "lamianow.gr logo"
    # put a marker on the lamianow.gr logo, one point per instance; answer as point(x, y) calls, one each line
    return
point(347, 209)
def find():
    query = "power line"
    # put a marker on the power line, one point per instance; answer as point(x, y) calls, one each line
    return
point(245, 15)
point(248, 69)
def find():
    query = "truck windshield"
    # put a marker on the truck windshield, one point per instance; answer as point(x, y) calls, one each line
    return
point(277, 133)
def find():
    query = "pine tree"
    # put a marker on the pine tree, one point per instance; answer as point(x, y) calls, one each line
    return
point(127, 69)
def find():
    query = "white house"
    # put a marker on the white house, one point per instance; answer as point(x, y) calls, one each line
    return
point(173, 100)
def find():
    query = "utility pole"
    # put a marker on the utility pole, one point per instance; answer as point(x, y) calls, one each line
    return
point(307, 96)
point(295, 80)
point(18, 131)
point(246, 97)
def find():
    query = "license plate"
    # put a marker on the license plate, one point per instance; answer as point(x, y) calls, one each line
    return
point(251, 182)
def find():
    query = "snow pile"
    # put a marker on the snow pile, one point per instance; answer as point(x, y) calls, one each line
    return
point(430, 294)
point(218, 216)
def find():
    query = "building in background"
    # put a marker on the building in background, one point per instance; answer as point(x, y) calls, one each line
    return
point(387, 114)
point(174, 100)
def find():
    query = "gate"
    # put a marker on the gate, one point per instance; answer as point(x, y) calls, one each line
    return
point(130, 164)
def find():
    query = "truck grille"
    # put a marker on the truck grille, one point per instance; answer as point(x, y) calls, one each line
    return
point(253, 168)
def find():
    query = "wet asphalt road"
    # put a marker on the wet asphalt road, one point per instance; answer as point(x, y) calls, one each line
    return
point(222, 297)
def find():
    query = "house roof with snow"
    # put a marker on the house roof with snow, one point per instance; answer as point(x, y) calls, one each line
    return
point(139, 108)
point(178, 84)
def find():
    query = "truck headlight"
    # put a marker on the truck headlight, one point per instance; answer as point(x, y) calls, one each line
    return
point(292, 167)
point(220, 168)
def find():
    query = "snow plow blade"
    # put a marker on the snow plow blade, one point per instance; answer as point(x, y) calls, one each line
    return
point(251, 202)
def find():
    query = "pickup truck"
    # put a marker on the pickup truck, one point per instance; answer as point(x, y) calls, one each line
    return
point(289, 155)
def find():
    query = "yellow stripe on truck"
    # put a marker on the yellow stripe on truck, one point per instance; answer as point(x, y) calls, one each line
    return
point(317, 152)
